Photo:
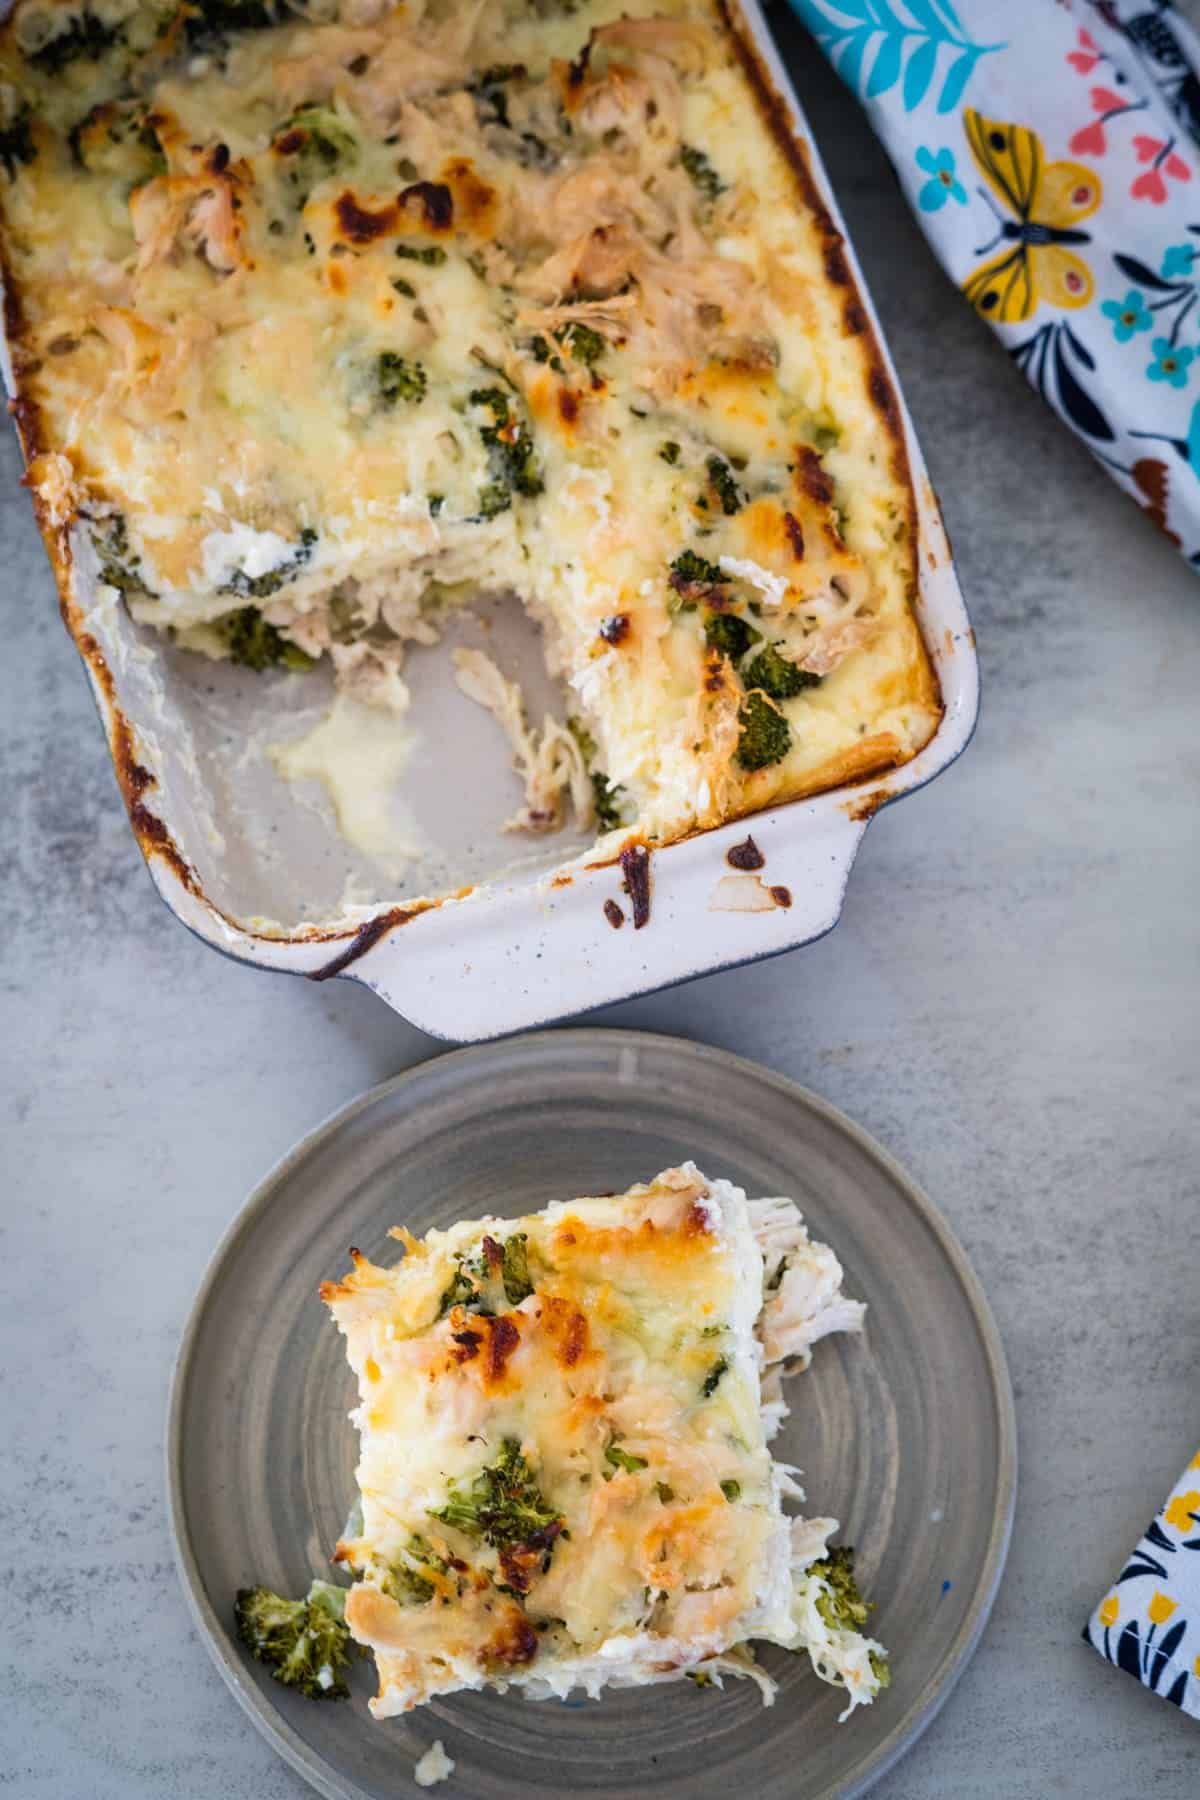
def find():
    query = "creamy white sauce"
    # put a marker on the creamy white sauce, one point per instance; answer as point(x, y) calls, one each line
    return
point(434, 1766)
point(772, 587)
point(242, 547)
point(359, 754)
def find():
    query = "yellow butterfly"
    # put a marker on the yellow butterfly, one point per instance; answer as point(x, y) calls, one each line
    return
point(1048, 200)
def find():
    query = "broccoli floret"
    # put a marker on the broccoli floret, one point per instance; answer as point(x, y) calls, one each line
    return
point(694, 578)
point(605, 799)
point(621, 1459)
point(732, 1490)
point(701, 172)
point(690, 567)
point(503, 1506)
point(404, 1584)
point(86, 38)
point(304, 1643)
point(472, 1285)
point(396, 379)
point(329, 137)
point(544, 354)
point(408, 1580)
point(258, 587)
point(16, 143)
point(842, 1606)
point(729, 634)
point(490, 91)
point(255, 644)
point(515, 1268)
point(725, 487)
point(826, 432)
point(491, 101)
point(493, 499)
point(207, 22)
point(459, 1291)
point(432, 255)
point(116, 139)
point(584, 344)
point(777, 675)
point(712, 1380)
point(310, 145)
point(511, 460)
point(766, 736)
point(120, 566)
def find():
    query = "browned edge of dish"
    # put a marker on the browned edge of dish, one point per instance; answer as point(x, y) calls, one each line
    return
point(871, 757)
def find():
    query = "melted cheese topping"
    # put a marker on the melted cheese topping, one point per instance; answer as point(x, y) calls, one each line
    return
point(349, 311)
point(615, 1371)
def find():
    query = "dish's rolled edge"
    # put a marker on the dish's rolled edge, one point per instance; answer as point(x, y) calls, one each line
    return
point(779, 111)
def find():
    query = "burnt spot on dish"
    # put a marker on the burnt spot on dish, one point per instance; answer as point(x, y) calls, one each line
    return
point(635, 866)
point(745, 855)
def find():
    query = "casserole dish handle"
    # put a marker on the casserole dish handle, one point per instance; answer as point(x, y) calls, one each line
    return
point(489, 963)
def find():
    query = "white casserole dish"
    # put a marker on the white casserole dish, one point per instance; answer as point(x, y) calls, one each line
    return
point(231, 850)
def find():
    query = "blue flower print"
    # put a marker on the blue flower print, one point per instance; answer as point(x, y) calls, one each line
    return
point(1177, 260)
point(943, 184)
point(1171, 362)
point(1128, 315)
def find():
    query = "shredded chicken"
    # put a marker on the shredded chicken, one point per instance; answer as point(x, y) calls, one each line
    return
point(716, 726)
point(804, 1299)
point(197, 209)
point(550, 764)
point(406, 58)
point(370, 673)
point(689, 307)
point(646, 101)
point(609, 317)
point(832, 646)
point(684, 40)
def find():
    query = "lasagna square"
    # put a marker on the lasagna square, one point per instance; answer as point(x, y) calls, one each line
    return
point(564, 1472)
point(329, 316)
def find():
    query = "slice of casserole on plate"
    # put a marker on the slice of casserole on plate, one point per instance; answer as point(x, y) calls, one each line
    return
point(327, 318)
point(564, 1472)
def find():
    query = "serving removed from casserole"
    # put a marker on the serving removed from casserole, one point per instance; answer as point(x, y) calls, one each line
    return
point(564, 1472)
point(328, 318)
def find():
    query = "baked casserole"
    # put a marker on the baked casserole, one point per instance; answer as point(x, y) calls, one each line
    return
point(327, 318)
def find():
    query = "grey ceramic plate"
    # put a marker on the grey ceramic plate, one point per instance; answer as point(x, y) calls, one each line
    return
point(906, 1435)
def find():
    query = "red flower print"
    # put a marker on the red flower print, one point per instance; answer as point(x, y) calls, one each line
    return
point(1150, 186)
point(1090, 139)
point(1086, 57)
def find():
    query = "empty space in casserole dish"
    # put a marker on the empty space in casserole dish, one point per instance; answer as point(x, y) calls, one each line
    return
point(432, 790)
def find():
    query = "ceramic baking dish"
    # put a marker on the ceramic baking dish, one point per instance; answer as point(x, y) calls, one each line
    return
point(238, 859)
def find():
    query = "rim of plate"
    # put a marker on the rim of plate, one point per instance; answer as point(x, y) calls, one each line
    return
point(944, 1678)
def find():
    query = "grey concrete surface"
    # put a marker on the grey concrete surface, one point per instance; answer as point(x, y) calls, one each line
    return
point(1010, 1004)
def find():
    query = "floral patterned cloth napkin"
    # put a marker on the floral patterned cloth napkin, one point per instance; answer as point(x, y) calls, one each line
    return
point(1149, 1625)
point(1051, 151)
